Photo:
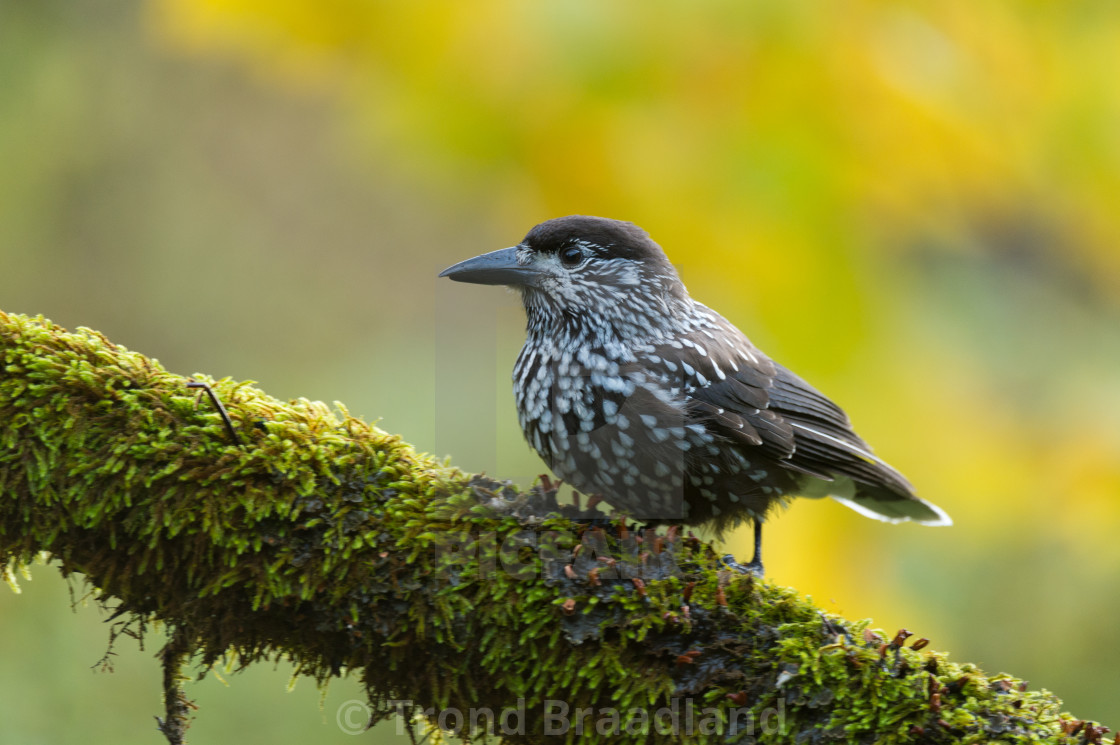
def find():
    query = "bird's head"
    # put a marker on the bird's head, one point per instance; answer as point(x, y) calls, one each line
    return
point(580, 266)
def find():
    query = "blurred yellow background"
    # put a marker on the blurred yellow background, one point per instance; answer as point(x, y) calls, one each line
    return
point(912, 205)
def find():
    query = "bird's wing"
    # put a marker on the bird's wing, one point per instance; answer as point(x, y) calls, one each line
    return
point(745, 396)
point(825, 438)
point(727, 384)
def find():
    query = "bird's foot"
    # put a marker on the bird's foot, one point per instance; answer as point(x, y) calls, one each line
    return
point(615, 525)
point(754, 568)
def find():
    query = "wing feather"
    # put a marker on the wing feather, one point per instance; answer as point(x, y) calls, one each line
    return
point(743, 395)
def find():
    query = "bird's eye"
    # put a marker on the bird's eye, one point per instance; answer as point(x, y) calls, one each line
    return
point(571, 255)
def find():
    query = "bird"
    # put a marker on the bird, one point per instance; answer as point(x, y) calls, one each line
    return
point(632, 391)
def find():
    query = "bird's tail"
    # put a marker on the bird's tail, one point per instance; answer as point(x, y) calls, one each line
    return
point(882, 503)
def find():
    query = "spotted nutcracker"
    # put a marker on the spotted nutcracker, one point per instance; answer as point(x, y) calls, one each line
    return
point(631, 390)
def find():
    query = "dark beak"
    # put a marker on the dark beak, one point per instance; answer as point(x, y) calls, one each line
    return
point(495, 268)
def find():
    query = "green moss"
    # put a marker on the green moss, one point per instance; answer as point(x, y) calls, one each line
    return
point(322, 539)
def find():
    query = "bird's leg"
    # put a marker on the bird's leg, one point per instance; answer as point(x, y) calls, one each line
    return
point(755, 567)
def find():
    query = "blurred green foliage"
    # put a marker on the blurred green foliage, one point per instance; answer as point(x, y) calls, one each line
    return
point(912, 205)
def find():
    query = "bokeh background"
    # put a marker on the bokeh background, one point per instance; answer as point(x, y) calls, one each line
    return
point(913, 205)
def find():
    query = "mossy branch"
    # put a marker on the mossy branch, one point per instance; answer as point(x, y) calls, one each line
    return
point(319, 538)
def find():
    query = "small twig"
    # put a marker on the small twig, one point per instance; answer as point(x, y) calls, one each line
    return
point(221, 409)
point(177, 706)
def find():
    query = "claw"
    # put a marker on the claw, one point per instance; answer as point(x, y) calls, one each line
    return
point(754, 568)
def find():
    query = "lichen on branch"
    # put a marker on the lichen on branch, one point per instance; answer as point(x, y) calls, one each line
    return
point(316, 537)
